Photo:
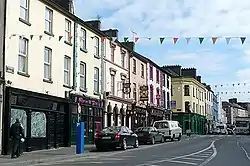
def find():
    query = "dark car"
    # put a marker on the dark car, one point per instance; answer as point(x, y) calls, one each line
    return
point(116, 136)
point(149, 134)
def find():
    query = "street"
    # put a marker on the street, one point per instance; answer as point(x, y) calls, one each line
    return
point(206, 150)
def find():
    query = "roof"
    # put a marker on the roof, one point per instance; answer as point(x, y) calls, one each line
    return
point(234, 105)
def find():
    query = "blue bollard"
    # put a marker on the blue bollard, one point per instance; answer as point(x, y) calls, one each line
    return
point(80, 138)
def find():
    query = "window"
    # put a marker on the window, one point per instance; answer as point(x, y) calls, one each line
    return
point(164, 98)
point(158, 97)
point(142, 70)
point(193, 106)
point(151, 94)
point(168, 81)
point(134, 66)
point(67, 70)
point(186, 90)
point(163, 80)
point(67, 31)
point(96, 47)
point(193, 92)
point(112, 54)
point(47, 63)
point(157, 76)
point(83, 39)
point(112, 84)
point(123, 94)
point(83, 75)
point(48, 20)
point(151, 72)
point(23, 55)
point(96, 80)
point(134, 91)
point(187, 107)
point(123, 59)
point(24, 10)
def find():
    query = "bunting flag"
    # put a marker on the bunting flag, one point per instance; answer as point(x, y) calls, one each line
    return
point(231, 85)
point(233, 92)
point(214, 39)
point(201, 39)
point(188, 39)
point(243, 39)
point(162, 39)
point(138, 38)
point(175, 40)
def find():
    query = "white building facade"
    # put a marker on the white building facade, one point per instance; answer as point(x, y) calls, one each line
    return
point(166, 93)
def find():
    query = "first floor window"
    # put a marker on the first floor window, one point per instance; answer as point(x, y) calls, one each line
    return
point(83, 75)
point(47, 63)
point(23, 55)
point(66, 70)
point(96, 79)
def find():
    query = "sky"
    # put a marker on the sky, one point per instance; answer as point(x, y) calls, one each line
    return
point(226, 67)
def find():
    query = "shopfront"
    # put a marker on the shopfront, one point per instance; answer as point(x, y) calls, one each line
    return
point(91, 112)
point(155, 114)
point(45, 119)
point(140, 117)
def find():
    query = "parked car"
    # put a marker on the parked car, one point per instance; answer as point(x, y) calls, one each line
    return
point(216, 131)
point(149, 134)
point(170, 129)
point(116, 136)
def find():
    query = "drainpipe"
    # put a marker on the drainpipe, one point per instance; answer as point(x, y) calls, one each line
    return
point(4, 128)
point(75, 56)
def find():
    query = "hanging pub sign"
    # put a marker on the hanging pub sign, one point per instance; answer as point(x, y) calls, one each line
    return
point(144, 93)
point(126, 88)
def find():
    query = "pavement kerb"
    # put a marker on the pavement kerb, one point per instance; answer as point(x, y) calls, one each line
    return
point(64, 157)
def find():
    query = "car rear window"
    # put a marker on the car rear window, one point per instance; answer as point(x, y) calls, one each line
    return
point(144, 129)
point(160, 125)
point(111, 129)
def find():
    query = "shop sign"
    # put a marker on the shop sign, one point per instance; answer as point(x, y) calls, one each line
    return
point(91, 102)
point(157, 112)
point(126, 88)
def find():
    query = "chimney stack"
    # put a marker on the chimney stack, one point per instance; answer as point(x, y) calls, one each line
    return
point(94, 23)
point(174, 68)
point(130, 45)
point(111, 32)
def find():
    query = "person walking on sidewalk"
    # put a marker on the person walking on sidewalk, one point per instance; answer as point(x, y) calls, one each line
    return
point(16, 133)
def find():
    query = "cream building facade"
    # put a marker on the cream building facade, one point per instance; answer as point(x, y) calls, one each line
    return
point(116, 73)
point(34, 54)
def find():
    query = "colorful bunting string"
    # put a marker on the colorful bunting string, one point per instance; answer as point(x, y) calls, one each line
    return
point(231, 85)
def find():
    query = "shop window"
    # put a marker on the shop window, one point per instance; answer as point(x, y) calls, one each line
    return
point(186, 90)
point(187, 106)
point(22, 116)
point(38, 124)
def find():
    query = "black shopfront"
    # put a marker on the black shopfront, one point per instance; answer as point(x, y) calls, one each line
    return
point(91, 112)
point(45, 119)
point(155, 114)
point(138, 116)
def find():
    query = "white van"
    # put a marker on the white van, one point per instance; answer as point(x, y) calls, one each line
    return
point(170, 129)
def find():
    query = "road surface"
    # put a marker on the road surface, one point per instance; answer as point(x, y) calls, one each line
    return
point(200, 151)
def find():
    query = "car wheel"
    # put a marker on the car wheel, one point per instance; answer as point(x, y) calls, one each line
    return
point(172, 139)
point(162, 139)
point(153, 141)
point(136, 145)
point(124, 144)
point(179, 138)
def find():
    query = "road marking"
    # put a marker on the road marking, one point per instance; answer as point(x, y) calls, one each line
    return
point(211, 157)
point(188, 155)
point(202, 156)
point(245, 152)
point(189, 158)
point(182, 162)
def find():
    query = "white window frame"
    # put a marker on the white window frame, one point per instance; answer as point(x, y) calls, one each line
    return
point(67, 30)
point(96, 79)
point(112, 54)
point(96, 46)
point(142, 70)
point(26, 9)
point(23, 54)
point(123, 57)
point(134, 66)
point(49, 20)
point(83, 75)
point(83, 39)
point(67, 70)
point(49, 63)
point(112, 84)
point(123, 94)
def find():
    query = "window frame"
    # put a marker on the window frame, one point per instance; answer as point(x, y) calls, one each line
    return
point(49, 20)
point(67, 70)
point(83, 75)
point(97, 80)
point(134, 66)
point(112, 84)
point(25, 56)
point(49, 64)
point(26, 9)
point(142, 70)
point(112, 54)
point(68, 30)
point(83, 39)
point(96, 47)
point(123, 55)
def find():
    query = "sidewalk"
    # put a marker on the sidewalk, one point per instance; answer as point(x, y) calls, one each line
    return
point(41, 156)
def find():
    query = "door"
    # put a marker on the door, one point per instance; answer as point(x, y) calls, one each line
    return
point(51, 130)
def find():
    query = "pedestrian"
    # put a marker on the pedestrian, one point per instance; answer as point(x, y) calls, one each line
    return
point(16, 134)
